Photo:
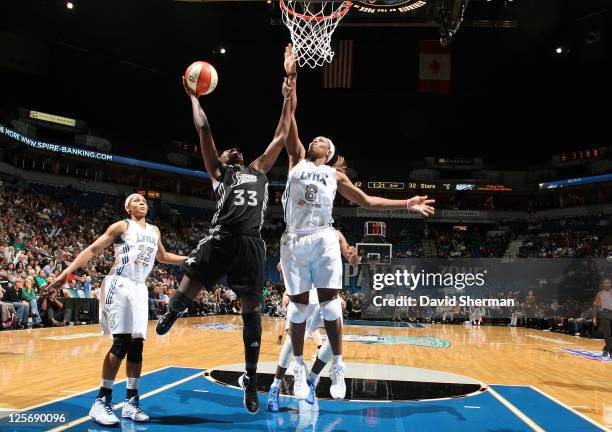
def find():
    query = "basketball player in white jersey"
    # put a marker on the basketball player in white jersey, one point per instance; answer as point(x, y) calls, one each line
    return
point(309, 247)
point(124, 303)
point(314, 321)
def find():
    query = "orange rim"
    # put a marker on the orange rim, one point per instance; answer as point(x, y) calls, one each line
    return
point(338, 14)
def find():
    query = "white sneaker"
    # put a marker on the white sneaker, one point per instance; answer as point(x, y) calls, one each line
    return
point(300, 386)
point(102, 412)
point(338, 386)
point(131, 409)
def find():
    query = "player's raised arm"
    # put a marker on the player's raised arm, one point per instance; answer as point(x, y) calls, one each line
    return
point(207, 144)
point(164, 256)
point(419, 204)
point(115, 230)
point(267, 160)
point(295, 148)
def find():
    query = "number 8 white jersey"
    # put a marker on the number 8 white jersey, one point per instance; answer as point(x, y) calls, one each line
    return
point(309, 195)
point(135, 252)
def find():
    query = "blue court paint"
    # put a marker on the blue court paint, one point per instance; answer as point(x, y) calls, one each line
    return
point(201, 405)
point(545, 412)
point(384, 323)
point(590, 355)
point(78, 406)
point(182, 409)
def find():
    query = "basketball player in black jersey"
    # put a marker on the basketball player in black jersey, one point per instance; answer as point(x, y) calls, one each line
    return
point(233, 245)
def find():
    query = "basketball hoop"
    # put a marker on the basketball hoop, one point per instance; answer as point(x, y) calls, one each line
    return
point(311, 25)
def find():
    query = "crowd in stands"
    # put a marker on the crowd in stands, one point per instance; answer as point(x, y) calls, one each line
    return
point(568, 237)
point(43, 228)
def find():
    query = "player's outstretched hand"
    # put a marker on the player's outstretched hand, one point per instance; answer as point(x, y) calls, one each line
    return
point(59, 281)
point(290, 68)
point(422, 205)
point(186, 87)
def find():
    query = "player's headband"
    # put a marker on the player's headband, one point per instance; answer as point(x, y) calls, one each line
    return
point(128, 200)
point(332, 150)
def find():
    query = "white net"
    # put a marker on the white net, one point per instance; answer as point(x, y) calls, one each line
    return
point(311, 25)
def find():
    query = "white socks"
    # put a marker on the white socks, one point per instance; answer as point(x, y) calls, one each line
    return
point(132, 383)
point(106, 383)
point(276, 382)
point(338, 359)
point(299, 360)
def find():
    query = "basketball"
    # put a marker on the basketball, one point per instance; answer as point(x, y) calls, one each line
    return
point(201, 78)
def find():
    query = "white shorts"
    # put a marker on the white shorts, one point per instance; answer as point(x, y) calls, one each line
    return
point(311, 260)
point(124, 307)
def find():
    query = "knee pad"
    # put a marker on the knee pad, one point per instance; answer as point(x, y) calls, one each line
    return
point(325, 353)
point(296, 312)
point(134, 354)
point(251, 331)
point(121, 345)
point(284, 359)
point(331, 310)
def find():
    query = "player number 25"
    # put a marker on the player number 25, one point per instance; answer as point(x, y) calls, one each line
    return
point(240, 200)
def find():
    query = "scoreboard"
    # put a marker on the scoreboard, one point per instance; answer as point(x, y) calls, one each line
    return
point(385, 185)
point(414, 185)
point(149, 194)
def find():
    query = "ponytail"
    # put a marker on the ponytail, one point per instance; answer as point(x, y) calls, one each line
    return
point(339, 163)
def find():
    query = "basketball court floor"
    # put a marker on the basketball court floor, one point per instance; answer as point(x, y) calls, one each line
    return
point(426, 378)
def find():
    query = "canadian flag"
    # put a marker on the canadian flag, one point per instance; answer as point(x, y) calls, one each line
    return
point(434, 67)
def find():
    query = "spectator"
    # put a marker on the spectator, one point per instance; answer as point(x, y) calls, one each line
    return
point(28, 294)
point(7, 312)
point(41, 279)
point(53, 308)
point(602, 315)
point(22, 307)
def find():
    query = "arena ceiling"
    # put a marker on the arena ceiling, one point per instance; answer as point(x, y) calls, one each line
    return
point(514, 100)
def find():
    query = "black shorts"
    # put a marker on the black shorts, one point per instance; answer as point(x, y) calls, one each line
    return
point(241, 257)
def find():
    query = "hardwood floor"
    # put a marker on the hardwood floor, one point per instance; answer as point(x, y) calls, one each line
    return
point(45, 364)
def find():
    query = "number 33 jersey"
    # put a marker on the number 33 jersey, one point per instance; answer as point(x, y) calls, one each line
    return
point(135, 252)
point(309, 197)
point(242, 197)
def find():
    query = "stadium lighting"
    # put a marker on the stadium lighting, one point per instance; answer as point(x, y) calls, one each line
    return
point(559, 50)
point(70, 5)
point(222, 50)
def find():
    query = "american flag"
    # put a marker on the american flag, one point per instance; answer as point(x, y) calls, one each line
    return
point(339, 73)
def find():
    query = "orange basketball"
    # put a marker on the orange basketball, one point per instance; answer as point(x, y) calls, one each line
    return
point(201, 78)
